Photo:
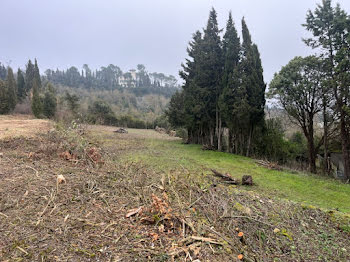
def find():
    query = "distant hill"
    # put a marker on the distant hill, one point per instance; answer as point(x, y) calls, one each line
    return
point(138, 82)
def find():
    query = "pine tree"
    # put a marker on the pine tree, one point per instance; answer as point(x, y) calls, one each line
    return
point(330, 35)
point(11, 89)
point(21, 92)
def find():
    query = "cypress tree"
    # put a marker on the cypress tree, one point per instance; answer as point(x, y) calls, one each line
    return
point(21, 92)
point(193, 109)
point(3, 72)
point(11, 89)
point(253, 84)
point(209, 78)
point(230, 78)
point(29, 78)
point(37, 74)
point(37, 107)
point(4, 106)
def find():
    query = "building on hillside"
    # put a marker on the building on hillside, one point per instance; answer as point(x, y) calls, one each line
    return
point(128, 79)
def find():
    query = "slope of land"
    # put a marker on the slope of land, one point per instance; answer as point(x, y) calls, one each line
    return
point(143, 196)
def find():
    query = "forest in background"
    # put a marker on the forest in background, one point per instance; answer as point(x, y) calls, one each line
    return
point(105, 96)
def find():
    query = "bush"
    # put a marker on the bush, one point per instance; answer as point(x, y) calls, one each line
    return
point(271, 143)
point(49, 103)
point(182, 133)
point(100, 112)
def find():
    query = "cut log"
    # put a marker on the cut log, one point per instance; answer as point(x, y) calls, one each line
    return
point(226, 177)
point(269, 165)
point(121, 131)
point(247, 180)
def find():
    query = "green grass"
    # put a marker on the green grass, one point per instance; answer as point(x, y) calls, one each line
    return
point(325, 193)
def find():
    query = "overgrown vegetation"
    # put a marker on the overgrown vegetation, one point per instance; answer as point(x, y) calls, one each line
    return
point(152, 198)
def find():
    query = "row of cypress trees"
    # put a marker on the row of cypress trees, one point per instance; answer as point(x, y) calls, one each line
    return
point(10, 91)
point(223, 89)
point(28, 84)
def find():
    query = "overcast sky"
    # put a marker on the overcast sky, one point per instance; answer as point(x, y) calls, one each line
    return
point(63, 33)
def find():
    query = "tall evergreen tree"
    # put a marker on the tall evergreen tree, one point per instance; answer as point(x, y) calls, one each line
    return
point(4, 105)
point(37, 74)
point(193, 108)
point(230, 78)
point(253, 83)
point(29, 77)
point(210, 77)
point(3, 72)
point(11, 89)
point(37, 107)
point(21, 92)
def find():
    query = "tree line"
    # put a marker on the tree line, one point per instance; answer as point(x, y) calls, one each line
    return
point(26, 85)
point(109, 78)
point(223, 89)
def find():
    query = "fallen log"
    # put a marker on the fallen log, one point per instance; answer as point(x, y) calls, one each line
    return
point(121, 131)
point(269, 165)
point(226, 177)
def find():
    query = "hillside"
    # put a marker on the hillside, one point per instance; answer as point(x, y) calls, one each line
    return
point(146, 196)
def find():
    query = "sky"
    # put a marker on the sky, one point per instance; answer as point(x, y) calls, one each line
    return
point(64, 33)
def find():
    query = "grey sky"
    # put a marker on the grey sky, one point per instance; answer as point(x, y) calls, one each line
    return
point(62, 33)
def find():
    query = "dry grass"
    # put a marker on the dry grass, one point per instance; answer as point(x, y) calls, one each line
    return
point(183, 216)
point(22, 125)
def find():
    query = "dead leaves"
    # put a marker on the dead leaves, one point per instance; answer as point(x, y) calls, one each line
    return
point(159, 213)
point(94, 155)
point(91, 154)
point(68, 156)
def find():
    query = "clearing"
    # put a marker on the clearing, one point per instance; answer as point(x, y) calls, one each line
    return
point(144, 196)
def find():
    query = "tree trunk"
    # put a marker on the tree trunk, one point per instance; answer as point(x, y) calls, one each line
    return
point(249, 141)
point(230, 141)
point(311, 146)
point(326, 168)
point(220, 135)
point(211, 137)
point(345, 145)
point(312, 156)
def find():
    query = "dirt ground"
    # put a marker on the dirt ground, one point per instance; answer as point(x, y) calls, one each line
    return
point(106, 208)
point(22, 125)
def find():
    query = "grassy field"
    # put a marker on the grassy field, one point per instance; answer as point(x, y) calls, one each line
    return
point(144, 196)
point(304, 188)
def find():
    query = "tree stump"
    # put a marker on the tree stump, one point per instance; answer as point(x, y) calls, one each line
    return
point(247, 180)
